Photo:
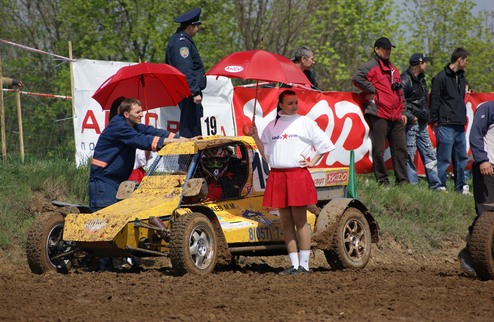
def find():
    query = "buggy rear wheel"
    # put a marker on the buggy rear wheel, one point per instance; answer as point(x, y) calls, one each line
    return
point(352, 241)
point(482, 246)
point(193, 245)
point(45, 243)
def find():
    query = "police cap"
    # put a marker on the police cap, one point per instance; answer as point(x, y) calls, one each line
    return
point(190, 17)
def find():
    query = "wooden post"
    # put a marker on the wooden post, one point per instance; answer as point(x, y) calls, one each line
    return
point(71, 79)
point(19, 120)
point(2, 115)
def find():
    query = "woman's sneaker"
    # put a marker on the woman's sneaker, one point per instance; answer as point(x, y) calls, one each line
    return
point(301, 270)
point(288, 271)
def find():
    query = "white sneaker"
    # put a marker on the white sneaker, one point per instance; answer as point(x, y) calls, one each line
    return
point(441, 189)
point(123, 263)
point(466, 190)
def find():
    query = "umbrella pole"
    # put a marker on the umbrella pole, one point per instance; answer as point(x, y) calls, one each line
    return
point(253, 113)
point(145, 107)
point(255, 103)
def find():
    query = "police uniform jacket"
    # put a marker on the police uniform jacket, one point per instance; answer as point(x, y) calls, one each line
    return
point(182, 54)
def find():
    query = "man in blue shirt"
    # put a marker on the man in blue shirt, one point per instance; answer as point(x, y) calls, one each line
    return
point(114, 154)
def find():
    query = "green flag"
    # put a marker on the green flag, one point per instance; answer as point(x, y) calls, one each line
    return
point(351, 188)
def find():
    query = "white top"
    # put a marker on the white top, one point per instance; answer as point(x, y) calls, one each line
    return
point(291, 139)
point(141, 159)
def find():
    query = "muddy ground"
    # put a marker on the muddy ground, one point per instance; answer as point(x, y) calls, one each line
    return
point(395, 286)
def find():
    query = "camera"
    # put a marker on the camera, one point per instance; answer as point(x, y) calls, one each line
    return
point(396, 86)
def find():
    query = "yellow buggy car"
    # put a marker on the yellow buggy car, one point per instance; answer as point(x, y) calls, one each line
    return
point(177, 211)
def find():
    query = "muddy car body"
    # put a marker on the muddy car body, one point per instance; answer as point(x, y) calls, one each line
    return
point(168, 214)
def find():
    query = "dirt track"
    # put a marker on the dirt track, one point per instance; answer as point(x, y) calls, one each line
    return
point(394, 287)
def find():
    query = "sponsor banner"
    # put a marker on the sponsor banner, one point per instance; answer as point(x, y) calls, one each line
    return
point(228, 111)
point(90, 119)
point(337, 178)
point(333, 177)
point(337, 113)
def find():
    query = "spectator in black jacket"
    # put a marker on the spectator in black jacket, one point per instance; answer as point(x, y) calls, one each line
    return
point(417, 110)
point(448, 116)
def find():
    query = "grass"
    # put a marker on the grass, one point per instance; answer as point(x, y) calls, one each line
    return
point(21, 182)
point(414, 216)
point(421, 219)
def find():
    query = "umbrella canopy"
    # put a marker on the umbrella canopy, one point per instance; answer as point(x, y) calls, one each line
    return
point(155, 85)
point(259, 65)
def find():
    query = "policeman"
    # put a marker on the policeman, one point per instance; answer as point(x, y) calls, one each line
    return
point(182, 53)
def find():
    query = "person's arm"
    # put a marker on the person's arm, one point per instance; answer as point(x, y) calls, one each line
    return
point(435, 103)
point(320, 141)
point(255, 135)
point(410, 108)
point(482, 120)
point(359, 79)
point(182, 58)
point(11, 83)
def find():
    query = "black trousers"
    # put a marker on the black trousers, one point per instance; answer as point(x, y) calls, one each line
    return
point(190, 118)
point(394, 132)
point(483, 190)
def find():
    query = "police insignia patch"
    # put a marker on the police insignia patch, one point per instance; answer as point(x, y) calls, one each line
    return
point(184, 52)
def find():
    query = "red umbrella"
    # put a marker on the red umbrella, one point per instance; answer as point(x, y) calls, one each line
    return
point(259, 65)
point(155, 85)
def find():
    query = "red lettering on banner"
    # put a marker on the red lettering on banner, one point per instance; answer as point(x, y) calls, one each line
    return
point(149, 117)
point(319, 182)
point(90, 122)
point(333, 178)
point(107, 114)
point(173, 126)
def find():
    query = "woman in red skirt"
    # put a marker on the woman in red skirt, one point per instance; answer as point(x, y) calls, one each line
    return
point(286, 144)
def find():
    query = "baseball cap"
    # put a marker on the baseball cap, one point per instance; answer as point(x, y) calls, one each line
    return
point(383, 42)
point(417, 58)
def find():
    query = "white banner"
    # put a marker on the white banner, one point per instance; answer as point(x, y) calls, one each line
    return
point(90, 119)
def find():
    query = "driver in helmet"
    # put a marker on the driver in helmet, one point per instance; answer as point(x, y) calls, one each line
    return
point(215, 167)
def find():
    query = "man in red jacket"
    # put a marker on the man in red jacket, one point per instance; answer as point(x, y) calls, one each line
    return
point(380, 83)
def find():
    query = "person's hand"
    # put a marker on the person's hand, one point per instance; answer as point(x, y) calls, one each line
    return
point(253, 131)
point(486, 168)
point(370, 97)
point(433, 126)
point(18, 83)
point(197, 99)
point(404, 119)
point(304, 163)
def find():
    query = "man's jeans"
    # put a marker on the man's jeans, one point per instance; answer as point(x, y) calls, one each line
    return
point(418, 139)
point(451, 141)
